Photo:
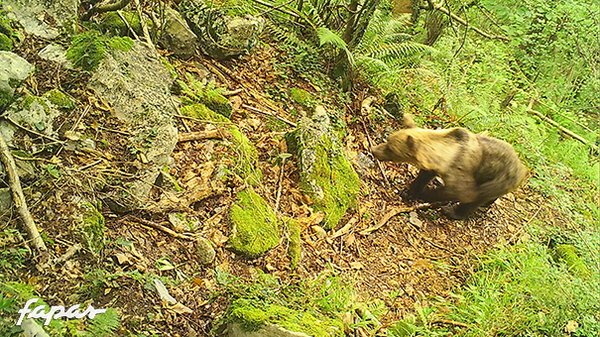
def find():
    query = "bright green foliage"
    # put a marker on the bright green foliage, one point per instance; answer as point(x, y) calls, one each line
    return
point(6, 43)
point(568, 255)
point(87, 49)
point(207, 94)
point(103, 325)
point(294, 249)
point(254, 315)
point(254, 226)
point(112, 23)
point(520, 292)
point(302, 97)
point(60, 99)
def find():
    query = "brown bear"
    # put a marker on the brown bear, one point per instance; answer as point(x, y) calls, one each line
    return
point(475, 169)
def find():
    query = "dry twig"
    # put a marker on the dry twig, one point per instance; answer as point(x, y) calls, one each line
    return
point(200, 135)
point(395, 211)
point(19, 198)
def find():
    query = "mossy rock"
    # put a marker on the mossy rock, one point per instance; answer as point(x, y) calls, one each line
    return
point(6, 43)
point(325, 173)
point(87, 49)
point(302, 97)
point(294, 246)
point(254, 316)
point(568, 255)
point(91, 226)
point(112, 23)
point(60, 99)
point(254, 226)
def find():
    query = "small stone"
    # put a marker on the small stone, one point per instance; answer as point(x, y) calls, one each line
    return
point(319, 231)
point(205, 251)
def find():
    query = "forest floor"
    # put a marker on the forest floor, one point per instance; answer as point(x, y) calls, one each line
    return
point(414, 257)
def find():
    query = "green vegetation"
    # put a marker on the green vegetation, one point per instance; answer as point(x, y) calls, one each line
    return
point(294, 249)
point(254, 226)
point(92, 227)
point(87, 49)
point(312, 307)
point(207, 94)
point(60, 99)
point(112, 23)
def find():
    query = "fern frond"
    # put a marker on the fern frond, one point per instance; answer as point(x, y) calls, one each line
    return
point(103, 325)
point(397, 50)
point(286, 36)
point(326, 36)
point(371, 64)
point(311, 15)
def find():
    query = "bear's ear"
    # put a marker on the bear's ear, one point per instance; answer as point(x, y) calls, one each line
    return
point(411, 143)
point(408, 122)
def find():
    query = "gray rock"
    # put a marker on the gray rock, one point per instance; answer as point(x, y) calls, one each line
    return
point(177, 35)
point(205, 251)
point(37, 112)
point(269, 330)
point(35, 15)
point(56, 53)
point(363, 163)
point(13, 70)
point(226, 36)
point(136, 84)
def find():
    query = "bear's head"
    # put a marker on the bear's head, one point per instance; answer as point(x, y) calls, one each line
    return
point(400, 146)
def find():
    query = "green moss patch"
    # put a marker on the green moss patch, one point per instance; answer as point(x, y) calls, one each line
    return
point(253, 225)
point(6, 43)
point(92, 227)
point(568, 255)
point(294, 245)
point(302, 97)
point(252, 316)
point(198, 92)
point(112, 23)
point(60, 99)
point(87, 49)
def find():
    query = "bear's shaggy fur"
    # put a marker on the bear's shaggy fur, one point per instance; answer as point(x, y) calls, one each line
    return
point(475, 169)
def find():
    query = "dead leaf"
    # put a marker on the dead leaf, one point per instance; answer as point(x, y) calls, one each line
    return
point(122, 258)
point(319, 231)
point(571, 326)
point(423, 263)
point(181, 309)
point(356, 265)
point(414, 219)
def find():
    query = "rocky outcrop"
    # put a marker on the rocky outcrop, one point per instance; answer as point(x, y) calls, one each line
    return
point(41, 17)
point(13, 70)
point(136, 84)
point(177, 36)
point(221, 36)
point(326, 175)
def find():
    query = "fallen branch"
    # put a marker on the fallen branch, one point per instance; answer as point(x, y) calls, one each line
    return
point(145, 223)
point(279, 184)
point(365, 109)
point(269, 114)
point(105, 7)
point(201, 135)
point(449, 322)
point(395, 211)
point(68, 254)
point(438, 7)
point(594, 147)
point(19, 198)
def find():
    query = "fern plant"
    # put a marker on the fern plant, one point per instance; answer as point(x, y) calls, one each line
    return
point(103, 325)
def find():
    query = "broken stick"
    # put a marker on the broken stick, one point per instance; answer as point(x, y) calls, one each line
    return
point(395, 211)
point(190, 136)
point(19, 198)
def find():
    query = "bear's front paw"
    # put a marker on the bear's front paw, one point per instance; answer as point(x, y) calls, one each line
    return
point(450, 213)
